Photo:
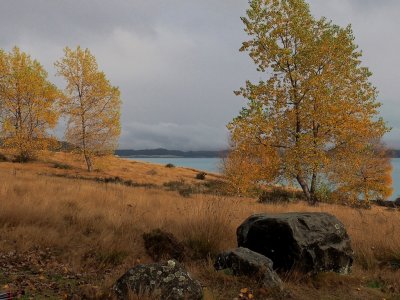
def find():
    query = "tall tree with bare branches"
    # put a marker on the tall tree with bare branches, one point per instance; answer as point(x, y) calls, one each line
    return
point(91, 104)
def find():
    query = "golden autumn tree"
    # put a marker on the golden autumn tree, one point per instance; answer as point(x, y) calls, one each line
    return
point(3, 68)
point(28, 104)
point(92, 105)
point(369, 177)
point(3, 63)
point(248, 164)
point(316, 104)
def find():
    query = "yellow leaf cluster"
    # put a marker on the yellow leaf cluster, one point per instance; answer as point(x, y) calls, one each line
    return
point(29, 104)
point(368, 177)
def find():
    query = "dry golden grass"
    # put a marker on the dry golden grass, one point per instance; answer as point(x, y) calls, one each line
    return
point(97, 227)
point(53, 163)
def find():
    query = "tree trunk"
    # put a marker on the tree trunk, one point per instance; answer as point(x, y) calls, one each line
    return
point(313, 189)
point(311, 199)
point(88, 162)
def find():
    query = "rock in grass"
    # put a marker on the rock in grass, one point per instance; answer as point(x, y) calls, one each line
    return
point(160, 245)
point(309, 242)
point(244, 262)
point(168, 280)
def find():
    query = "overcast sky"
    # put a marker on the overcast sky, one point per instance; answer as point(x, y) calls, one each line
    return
point(177, 62)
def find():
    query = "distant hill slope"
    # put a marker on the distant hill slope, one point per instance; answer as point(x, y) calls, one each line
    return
point(165, 152)
point(394, 153)
point(65, 146)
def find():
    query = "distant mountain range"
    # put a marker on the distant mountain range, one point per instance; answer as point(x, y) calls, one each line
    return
point(394, 153)
point(170, 153)
point(65, 146)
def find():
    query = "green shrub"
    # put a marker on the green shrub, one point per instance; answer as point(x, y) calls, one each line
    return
point(170, 166)
point(3, 158)
point(201, 247)
point(185, 190)
point(205, 230)
point(213, 187)
point(115, 179)
point(217, 187)
point(62, 166)
point(161, 244)
point(174, 185)
point(280, 195)
point(376, 284)
point(201, 175)
point(151, 172)
point(23, 158)
point(324, 193)
point(112, 258)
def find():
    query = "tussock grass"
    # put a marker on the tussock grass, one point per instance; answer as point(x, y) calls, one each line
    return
point(98, 226)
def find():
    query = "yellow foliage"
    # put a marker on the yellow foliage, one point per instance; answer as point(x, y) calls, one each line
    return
point(248, 167)
point(369, 177)
point(28, 104)
point(91, 103)
point(316, 104)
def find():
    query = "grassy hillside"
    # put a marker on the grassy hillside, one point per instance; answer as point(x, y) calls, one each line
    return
point(64, 232)
point(67, 164)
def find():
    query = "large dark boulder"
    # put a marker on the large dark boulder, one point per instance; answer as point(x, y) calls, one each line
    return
point(309, 242)
point(168, 280)
point(244, 262)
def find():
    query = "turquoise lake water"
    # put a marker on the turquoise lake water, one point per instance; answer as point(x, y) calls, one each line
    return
point(203, 164)
point(396, 177)
point(213, 165)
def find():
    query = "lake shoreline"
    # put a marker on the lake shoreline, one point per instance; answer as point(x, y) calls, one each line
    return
point(212, 164)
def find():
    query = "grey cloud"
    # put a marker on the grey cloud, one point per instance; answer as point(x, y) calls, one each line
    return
point(375, 25)
point(374, 4)
point(174, 136)
point(76, 20)
point(63, 21)
point(177, 61)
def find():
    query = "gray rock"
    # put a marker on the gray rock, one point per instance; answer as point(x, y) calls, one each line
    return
point(243, 261)
point(309, 242)
point(168, 280)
